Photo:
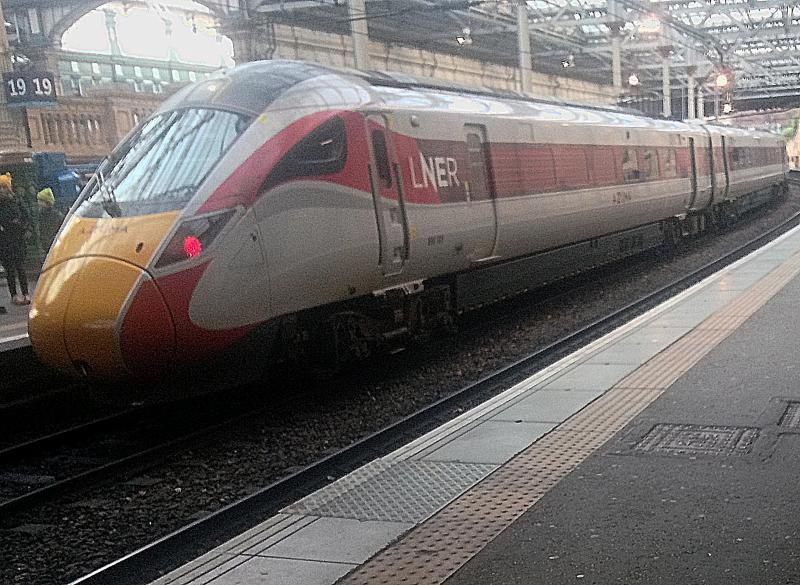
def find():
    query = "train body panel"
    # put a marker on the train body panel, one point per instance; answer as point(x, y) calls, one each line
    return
point(316, 250)
point(285, 189)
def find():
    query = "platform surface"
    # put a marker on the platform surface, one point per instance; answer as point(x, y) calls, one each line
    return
point(14, 322)
point(666, 452)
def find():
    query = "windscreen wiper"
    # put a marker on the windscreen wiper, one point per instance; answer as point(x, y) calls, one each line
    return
point(110, 205)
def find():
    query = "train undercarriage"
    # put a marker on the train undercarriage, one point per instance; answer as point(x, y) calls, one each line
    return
point(332, 336)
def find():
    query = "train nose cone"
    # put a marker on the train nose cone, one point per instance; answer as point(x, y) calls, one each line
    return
point(76, 319)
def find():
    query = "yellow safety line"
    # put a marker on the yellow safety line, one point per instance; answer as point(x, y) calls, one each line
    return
point(435, 549)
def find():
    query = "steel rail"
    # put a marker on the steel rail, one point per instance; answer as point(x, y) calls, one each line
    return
point(207, 422)
point(128, 464)
point(153, 560)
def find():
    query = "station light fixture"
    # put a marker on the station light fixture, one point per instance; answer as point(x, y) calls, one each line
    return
point(633, 80)
point(464, 37)
point(722, 79)
point(649, 25)
point(569, 61)
point(727, 108)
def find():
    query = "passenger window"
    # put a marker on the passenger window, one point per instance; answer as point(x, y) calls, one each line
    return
point(382, 157)
point(735, 158)
point(649, 166)
point(630, 166)
point(669, 168)
point(603, 168)
point(572, 170)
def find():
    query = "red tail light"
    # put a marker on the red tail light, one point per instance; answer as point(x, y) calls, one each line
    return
point(193, 236)
point(192, 246)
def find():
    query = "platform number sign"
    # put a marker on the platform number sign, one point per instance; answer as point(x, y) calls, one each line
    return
point(29, 89)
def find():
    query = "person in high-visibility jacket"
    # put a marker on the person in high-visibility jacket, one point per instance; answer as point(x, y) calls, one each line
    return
point(50, 218)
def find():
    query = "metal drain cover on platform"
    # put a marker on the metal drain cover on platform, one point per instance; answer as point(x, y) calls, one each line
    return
point(791, 418)
point(689, 440)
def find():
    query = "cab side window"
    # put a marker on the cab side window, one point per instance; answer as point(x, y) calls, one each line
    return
point(322, 152)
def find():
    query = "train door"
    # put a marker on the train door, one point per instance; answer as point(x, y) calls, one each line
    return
point(712, 165)
point(480, 195)
point(387, 193)
point(724, 189)
point(692, 174)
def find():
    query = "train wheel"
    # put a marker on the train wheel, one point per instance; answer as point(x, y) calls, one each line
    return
point(672, 233)
point(348, 337)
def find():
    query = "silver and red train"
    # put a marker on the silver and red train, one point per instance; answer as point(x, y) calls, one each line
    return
point(303, 206)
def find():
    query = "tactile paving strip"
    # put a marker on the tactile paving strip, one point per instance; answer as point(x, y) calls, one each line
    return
point(405, 491)
point(691, 440)
point(791, 418)
point(434, 550)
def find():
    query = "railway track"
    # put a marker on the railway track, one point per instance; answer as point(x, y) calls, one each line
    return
point(115, 445)
point(150, 561)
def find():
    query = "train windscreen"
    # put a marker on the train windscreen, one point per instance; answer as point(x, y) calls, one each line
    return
point(160, 167)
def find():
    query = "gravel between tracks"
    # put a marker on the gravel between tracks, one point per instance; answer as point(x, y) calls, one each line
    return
point(68, 538)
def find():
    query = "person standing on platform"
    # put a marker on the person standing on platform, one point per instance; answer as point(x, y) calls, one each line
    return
point(15, 226)
point(50, 218)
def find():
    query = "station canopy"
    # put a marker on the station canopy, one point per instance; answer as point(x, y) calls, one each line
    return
point(747, 49)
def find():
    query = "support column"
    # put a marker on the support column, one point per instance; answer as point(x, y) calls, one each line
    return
point(616, 64)
point(701, 105)
point(691, 83)
point(666, 109)
point(360, 33)
point(615, 26)
point(524, 38)
point(253, 37)
point(241, 35)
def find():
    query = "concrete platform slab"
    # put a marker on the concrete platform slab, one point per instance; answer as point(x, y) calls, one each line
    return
point(14, 322)
point(591, 376)
point(489, 442)
point(657, 336)
point(625, 353)
point(340, 540)
point(547, 406)
point(268, 571)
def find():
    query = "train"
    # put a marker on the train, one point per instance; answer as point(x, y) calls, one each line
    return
point(321, 213)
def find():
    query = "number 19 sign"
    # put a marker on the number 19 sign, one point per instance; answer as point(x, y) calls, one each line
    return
point(29, 89)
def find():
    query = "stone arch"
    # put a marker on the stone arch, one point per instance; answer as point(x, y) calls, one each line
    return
point(82, 8)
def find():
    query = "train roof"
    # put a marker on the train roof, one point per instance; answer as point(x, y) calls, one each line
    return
point(252, 87)
point(248, 88)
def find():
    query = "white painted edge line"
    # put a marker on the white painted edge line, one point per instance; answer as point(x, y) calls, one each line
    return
point(575, 358)
point(206, 563)
point(13, 338)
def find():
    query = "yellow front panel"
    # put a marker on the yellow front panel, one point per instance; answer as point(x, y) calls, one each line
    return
point(89, 274)
point(46, 320)
point(94, 311)
point(134, 239)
